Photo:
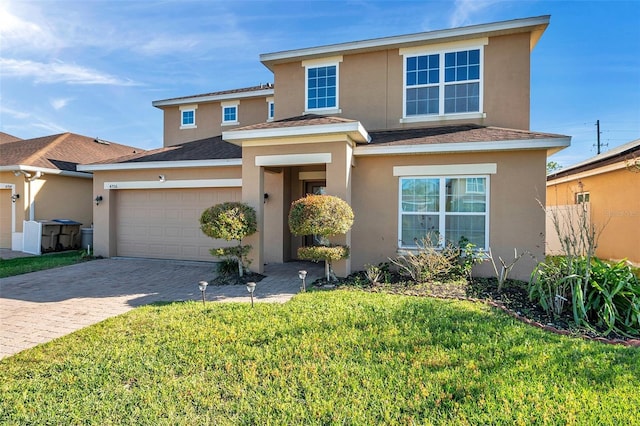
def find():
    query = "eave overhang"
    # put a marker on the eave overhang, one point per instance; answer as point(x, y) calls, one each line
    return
point(535, 25)
point(46, 170)
point(551, 145)
point(196, 99)
point(146, 165)
point(355, 130)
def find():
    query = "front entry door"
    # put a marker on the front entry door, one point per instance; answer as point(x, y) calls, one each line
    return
point(315, 188)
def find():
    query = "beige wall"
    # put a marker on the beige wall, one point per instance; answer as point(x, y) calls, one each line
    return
point(507, 71)
point(54, 196)
point(209, 120)
point(614, 206)
point(516, 219)
point(256, 180)
point(371, 85)
point(105, 214)
point(63, 197)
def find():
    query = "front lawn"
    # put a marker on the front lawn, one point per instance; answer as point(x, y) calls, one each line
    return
point(23, 265)
point(340, 357)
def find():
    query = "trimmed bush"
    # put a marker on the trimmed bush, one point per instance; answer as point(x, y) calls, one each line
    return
point(230, 221)
point(322, 215)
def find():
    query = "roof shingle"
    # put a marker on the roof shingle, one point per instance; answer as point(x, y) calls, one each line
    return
point(62, 151)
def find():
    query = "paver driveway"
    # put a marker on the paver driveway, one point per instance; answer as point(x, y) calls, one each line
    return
point(41, 306)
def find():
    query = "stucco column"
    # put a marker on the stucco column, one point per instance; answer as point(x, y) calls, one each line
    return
point(339, 185)
point(253, 195)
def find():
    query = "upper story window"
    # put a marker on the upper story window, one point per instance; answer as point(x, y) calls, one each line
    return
point(188, 116)
point(322, 85)
point(270, 109)
point(230, 113)
point(442, 83)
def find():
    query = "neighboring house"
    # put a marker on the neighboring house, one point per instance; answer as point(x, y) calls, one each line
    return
point(610, 184)
point(420, 133)
point(6, 138)
point(39, 181)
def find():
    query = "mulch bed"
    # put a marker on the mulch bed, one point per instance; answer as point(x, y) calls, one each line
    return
point(513, 299)
point(236, 280)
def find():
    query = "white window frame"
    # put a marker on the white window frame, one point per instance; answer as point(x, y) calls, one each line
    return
point(441, 50)
point(317, 63)
point(270, 109)
point(183, 110)
point(580, 197)
point(442, 213)
point(230, 104)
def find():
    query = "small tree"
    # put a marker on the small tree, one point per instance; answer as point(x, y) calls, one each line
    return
point(230, 221)
point(325, 216)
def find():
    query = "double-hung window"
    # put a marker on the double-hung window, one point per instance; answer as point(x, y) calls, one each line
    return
point(444, 209)
point(322, 85)
point(188, 116)
point(441, 83)
point(229, 113)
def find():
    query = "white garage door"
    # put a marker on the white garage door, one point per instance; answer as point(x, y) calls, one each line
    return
point(164, 223)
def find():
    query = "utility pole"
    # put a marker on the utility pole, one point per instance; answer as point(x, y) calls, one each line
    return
point(598, 134)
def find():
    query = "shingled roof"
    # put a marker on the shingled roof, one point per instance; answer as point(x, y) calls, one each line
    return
point(62, 151)
point(6, 138)
point(453, 134)
point(213, 148)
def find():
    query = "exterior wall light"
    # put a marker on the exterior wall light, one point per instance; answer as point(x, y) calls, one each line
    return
point(162, 178)
point(98, 199)
point(202, 285)
point(303, 276)
point(251, 287)
point(15, 197)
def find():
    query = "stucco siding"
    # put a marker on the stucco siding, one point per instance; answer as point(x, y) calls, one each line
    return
point(507, 81)
point(516, 219)
point(614, 207)
point(209, 120)
point(371, 87)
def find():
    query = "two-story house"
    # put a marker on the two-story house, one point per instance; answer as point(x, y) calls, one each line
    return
point(420, 133)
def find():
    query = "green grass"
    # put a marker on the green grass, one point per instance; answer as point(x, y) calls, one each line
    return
point(23, 265)
point(341, 357)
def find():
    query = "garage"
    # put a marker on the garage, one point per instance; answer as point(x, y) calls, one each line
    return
point(164, 223)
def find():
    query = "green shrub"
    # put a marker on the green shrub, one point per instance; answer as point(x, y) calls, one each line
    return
point(613, 298)
point(228, 266)
point(230, 221)
point(430, 262)
point(324, 216)
point(317, 253)
point(602, 295)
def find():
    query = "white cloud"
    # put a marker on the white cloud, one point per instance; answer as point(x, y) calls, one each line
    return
point(59, 72)
point(19, 33)
point(464, 11)
point(59, 103)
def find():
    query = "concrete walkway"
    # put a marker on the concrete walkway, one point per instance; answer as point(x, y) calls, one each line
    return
point(41, 306)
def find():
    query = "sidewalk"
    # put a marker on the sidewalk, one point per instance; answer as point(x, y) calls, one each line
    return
point(41, 306)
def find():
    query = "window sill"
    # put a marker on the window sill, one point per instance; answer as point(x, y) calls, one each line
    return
point(323, 111)
point(189, 126)
point(445, 117)
point(229, 123)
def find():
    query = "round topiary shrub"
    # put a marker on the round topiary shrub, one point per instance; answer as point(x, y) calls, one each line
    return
point(323, 215)
point(230, 221)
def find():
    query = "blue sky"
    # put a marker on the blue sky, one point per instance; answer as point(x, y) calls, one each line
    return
point(94, 67)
